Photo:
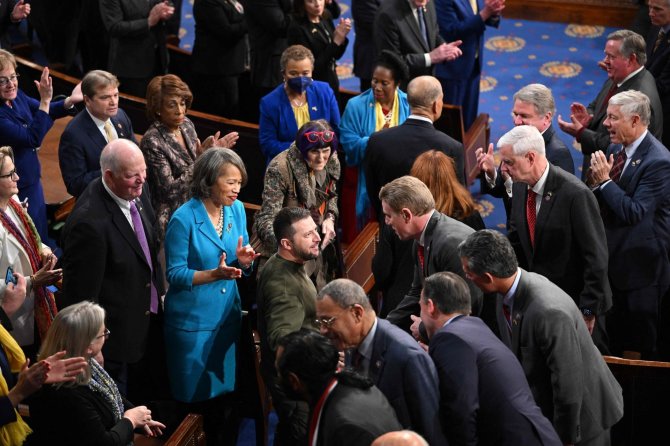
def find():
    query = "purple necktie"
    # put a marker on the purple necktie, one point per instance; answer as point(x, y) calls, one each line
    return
point(142, 238)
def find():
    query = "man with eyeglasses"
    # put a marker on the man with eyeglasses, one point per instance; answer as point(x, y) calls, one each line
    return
point(394, 361)
point(286, 303)
point(624, 61)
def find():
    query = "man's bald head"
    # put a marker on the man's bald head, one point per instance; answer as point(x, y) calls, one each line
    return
point(423, 91)
point(400, 438)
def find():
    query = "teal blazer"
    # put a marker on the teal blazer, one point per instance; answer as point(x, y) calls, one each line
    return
point(192, 244)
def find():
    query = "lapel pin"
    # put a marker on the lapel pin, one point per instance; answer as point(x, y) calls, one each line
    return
point(314, 31)
point(378, 364)
point(636, 162)
point(118, 124)
point(548, 195)
point(230, 226)
point(314, 108)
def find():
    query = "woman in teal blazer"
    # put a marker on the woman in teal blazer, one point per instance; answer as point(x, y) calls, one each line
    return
point(206, 249)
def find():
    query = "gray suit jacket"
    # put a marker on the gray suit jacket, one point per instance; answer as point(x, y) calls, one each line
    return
point(396, 29)
point(567, 375)
point(596, 137)
point(441, 239)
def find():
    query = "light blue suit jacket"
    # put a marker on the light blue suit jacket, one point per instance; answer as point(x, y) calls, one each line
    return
point(191, 244)
point(358, 123)
point(277, 127)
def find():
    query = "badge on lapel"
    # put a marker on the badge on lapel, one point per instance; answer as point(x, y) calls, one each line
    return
point(636, 162)
point(548, 195)
point(314, 108)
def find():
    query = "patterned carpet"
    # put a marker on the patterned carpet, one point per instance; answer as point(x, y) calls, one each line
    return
point(520, 52)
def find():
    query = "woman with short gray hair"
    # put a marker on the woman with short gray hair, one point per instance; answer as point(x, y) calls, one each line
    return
point(206, 250)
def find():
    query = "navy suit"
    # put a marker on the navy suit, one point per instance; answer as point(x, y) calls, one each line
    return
point(658, 64)
point(636, 214)
point(460, 77)
point(484, 395)
point(23, 127)
point(80, 147)
point(405, 374)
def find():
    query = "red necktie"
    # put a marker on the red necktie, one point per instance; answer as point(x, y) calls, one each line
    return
point(507, 313)
point(419, 253)
point(610, 93)
point(531, 215)
point(617, 167)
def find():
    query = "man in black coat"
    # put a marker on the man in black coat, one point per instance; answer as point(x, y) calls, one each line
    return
point(104, 261)
point(391, 152)
point(658, 57)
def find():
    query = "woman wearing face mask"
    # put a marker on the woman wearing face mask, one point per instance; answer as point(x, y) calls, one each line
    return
point(380, 107)
point(298, 100)
point(305, 176)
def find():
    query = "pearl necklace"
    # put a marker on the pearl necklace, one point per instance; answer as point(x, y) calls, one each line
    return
point(219, 225)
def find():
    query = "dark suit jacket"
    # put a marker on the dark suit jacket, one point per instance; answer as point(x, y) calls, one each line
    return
point(596, 137)
point(268, 22)
point(346, 418)
point(220, 47)
point(397, 30)
point(484, 395)
point(76, 416)
point(405, 374)
point(658, 64)
point(391, 153)
point(567, 374)
point(80, 146)
point(326, 52)
point(570, 243)
point(637, 218)
point(441, 239)
point(557, 154)
point(363, 13)
point(103, 262)
point(134, 49)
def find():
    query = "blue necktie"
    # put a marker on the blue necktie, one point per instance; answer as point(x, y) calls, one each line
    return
point(422, 25)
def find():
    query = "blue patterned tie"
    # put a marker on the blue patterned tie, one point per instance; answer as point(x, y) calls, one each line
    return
point(422, 25)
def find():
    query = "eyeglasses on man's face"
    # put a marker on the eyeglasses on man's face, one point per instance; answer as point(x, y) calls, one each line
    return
point(4, 81)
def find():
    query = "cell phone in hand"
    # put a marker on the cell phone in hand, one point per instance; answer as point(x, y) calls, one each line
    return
point(10, 277)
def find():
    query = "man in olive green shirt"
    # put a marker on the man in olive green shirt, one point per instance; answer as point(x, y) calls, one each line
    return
point(286, 299)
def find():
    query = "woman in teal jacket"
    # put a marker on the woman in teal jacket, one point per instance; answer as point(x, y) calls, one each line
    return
point(382, 106)
point(206, 249)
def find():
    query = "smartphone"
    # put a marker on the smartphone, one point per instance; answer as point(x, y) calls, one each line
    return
point(10, 277)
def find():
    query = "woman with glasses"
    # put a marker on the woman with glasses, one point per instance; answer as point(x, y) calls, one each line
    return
point(24, 122)
point(89, 410)
point(27, 264)
point(305, 176)
point(298, 100)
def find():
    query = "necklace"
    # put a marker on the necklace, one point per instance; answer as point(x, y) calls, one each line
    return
point(219, 225)
point(297, 103)
point(387, 118)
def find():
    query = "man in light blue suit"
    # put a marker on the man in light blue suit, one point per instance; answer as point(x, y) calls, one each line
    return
point(465, 20)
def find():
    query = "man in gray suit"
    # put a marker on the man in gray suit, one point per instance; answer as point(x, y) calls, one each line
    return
point(544, 329)
point(624, 61)
point(409, 209)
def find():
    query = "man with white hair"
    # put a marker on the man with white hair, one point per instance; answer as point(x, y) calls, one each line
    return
point(631, 184)
point(555, 226)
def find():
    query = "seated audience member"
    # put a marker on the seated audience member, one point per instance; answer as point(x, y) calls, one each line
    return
point(545, 330)
point(312, 27)
point(170, 146)
point(400, 438)
point(220, 55)
point(409, 210)
point(286, 303)
point(631, 184)
point(85, 136)
point(137, 45)
point(295, 102)
point(484, 395)
point(88, 410)
point(27, 302)
point(24, 122)
point(206, 251)
point(347, 409)
point(305, 176)
point(393, 260)
point(390, 154)
point(380, 107)
point(624, 62)
point(394, 361)
point(18, 381)
point(658, 57)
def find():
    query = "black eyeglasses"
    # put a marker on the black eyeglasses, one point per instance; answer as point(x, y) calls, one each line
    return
point(325, 136)
point(104, 335)
point(9, 175)
point(6, 80)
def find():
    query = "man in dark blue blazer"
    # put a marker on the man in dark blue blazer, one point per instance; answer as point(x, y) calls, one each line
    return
point(460, 79)
point(658, 57)
point(634, 194)
point(394, 361)
point(484, 395)
point(86, 135)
